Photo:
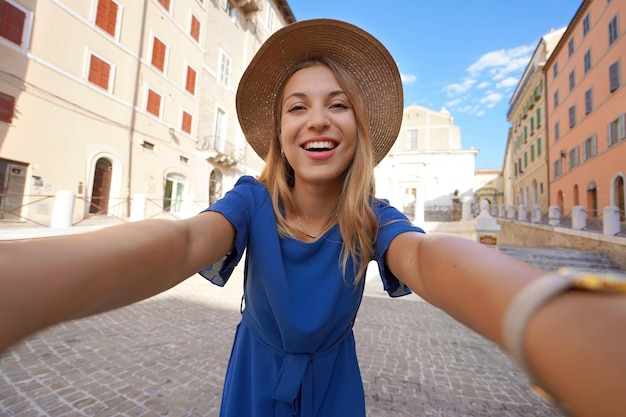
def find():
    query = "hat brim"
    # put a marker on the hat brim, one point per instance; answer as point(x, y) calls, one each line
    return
point(357, 51)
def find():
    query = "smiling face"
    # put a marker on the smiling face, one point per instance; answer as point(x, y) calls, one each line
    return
point(318, 126)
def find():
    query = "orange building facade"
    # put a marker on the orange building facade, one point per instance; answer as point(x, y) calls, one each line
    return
point(586, 106)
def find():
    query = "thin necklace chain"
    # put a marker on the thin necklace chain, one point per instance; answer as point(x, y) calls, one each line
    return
point(303, 229)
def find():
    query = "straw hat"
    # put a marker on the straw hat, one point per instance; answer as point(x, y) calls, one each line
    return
point(356, 50)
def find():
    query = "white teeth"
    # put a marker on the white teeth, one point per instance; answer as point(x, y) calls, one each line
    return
point(322, 144)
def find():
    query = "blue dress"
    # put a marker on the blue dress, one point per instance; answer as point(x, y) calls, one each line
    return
point(294, 352)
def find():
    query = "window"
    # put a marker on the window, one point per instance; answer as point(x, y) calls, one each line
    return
point(532, 153)
point(538, 118)
point(616, 130)
point(154, 103)
point(12, 22)
point(539, 147)
point(525, 159)
point(106, 16)
point(614, 77)
point(572, 80)
point(588, 101)
point(271, 16)
point(558, 168)
point(174, 193)
point(557, 131)
point(228, 8)
point(224, 68)
point(194, 29)
point(220, 130)
point(572, 116)
point(99, 72)
point(570, 47)
point(158, 53)
point(165, 4)
point(532, 126)
point(574, 157)
point(186, 122)
point(147, 146)
point(555, 69)
point(190, 83)
point(7, 108)
point(587, 63)
point(586, 24)
point(613, 31)
point(556, 99)
point(412, 139)
point(590, 147)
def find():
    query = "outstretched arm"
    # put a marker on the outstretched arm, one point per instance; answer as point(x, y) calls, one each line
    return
point(575, 344)
point(47, 281)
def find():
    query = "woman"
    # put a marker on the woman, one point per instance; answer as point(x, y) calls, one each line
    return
point(321, 102)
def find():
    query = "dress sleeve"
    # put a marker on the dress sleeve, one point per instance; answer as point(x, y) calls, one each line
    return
point(391, 223)
point(238, 206)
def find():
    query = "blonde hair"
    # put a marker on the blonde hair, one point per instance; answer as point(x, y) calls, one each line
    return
point(357, 222)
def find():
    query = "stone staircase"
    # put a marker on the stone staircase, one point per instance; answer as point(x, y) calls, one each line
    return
point(551, 259)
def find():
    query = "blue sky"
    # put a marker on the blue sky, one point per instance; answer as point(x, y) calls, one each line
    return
point(464, 55)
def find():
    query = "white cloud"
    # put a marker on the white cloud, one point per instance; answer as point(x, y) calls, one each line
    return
point(407, 78)
point(482, 85)
point(502, 61)
point(453, 103)
point(491, 99)
point(459, 88)
point(507, 82)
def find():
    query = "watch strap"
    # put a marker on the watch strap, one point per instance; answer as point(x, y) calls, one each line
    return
point(521, 309)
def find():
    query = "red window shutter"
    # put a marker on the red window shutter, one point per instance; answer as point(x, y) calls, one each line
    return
point(106, 16)
point(11, 22)
point(7, 106)
point(195, 29)
point(191, 81)
point(158, 54)
point(186, 124)
point(165, 4)
point(154, 103)
point(99, 72)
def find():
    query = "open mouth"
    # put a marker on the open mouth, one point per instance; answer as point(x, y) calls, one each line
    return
point(319, 146)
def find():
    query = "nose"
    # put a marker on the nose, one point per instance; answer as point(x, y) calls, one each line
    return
point(318, 119)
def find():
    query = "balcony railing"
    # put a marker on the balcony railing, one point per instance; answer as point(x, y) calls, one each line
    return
point(220, 151)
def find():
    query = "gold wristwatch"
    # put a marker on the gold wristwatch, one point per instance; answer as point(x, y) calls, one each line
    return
point(537, 293)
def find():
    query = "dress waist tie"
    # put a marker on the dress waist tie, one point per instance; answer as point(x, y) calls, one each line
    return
point(295, 375)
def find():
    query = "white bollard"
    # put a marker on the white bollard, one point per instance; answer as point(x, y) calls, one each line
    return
point(466, 209)
point(62, 210)
point(536, 214)
point(554, 215)
point(510, 212)
point(610, 220)
point(138, 207)
point(579, 218)
point(522, 213)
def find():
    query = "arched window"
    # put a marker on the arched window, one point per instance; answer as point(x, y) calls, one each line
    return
point(173, 193)
point(618, 197)
point(101, 187)
point(215, 186)
point(592, 200)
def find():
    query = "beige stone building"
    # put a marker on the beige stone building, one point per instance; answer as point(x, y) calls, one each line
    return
point(114, 100)
point(526, 158)
point(427, 173)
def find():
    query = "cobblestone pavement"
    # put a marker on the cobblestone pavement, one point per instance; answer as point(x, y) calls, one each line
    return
point(167, 356)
